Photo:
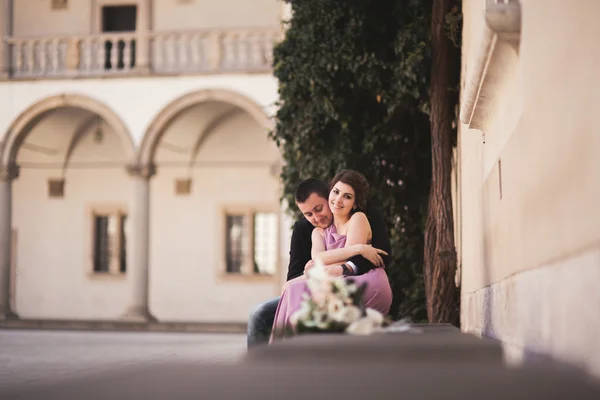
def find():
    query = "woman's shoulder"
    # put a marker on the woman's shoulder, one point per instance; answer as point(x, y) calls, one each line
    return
point(359, 216)
point(318, 230)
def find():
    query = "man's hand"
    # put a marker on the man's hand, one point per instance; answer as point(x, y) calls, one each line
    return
point(371, 254)
point(335, 270)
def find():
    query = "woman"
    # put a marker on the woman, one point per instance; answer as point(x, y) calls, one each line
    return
point(343, 239)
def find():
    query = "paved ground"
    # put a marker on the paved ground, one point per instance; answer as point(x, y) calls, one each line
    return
point(32, 357)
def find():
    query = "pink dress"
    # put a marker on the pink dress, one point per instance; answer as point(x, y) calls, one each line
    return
point(378, 293)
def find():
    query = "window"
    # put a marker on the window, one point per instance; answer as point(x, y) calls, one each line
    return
point(109, 250)
point(251, 244)
point(59, 4)
point(121, 18)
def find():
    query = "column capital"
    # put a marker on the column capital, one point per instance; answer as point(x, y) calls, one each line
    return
point(9, 172)
point(142, 171)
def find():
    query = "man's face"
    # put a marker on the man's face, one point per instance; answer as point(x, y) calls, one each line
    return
point(316, 210)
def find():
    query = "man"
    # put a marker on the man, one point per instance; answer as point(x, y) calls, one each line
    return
point(311, 198)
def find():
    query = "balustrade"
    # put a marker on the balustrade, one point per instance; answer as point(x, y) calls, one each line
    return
point(116, 53)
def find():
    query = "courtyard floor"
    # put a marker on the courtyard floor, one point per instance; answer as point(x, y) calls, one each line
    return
point(38, 357)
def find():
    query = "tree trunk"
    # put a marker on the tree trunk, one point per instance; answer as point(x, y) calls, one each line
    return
point(442, 299)
point(429, 257)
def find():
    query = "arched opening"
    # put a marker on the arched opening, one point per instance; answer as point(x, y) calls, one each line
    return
point(215, 208)
point(69, 209)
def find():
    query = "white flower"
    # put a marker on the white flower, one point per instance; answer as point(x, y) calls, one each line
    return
point(319, 283)
point(351, 287)
point(330, 304)
point(301, 314)
point(367, 324)
point(375, 316)
point(362, 326)
point(335, 309)
point(350, 314)
point(320, 319)
point(341, 288)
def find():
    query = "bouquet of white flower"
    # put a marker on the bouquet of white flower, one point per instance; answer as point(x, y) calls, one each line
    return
point(334, 305)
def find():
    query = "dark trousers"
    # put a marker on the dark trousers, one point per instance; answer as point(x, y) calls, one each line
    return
point(260, 322)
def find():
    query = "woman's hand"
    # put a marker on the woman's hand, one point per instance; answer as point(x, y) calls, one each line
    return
point(372, 254)
point(309, 265)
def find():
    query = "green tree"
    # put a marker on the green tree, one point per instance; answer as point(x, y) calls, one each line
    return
point(353, 86)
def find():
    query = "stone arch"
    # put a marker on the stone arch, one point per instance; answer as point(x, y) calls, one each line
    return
point(162, 120)
point(22, 125)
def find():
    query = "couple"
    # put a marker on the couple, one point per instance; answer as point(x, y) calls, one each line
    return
point(347, 235)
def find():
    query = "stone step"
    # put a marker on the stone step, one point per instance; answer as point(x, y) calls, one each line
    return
point(127, 326)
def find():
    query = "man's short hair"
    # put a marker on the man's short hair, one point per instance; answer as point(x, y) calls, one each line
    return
point(310, 186)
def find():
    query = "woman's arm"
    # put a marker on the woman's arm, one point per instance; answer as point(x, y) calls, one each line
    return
point(318, 242)
point(358, 234)
point(359, 230)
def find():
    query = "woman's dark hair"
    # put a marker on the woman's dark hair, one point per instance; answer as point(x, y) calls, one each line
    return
point(308, 187)
point(359, 184)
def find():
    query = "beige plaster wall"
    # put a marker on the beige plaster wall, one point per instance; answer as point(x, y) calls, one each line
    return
point(186, 280)
point(36, 18)
point(53, 277)
point(529, 187)
point(544, 133)
point(187, 276)
point(204, 14)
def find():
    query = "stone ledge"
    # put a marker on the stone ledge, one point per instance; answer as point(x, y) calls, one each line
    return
point(427, 343)
point(90, 325)
point(360, 380)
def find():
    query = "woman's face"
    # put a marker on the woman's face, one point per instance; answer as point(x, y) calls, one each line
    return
point(341, 199)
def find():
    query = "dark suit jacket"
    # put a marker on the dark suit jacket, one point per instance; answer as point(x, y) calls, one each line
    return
point(301, 245)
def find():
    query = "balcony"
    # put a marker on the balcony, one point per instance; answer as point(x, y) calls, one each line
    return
point(158, 53)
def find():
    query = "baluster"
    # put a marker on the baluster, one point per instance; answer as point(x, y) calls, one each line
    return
point(248, 45)
point(30, 57)
point(95, 55)
point(214, 50)
point(65, 49)
point(203, 45)
point(192, 52)
point(229, 59)
point(54, 54)
point(269, 43)
point(72, 56)
point(114, 54)
point(256, 47)
point(18, 50)
point(157, 52)
point(171, 53)
point(127, 54)
point(85, 56)
point(176, 53)
point(99, 47)
point(243, 50)
point(42, 56)
point(183, 51)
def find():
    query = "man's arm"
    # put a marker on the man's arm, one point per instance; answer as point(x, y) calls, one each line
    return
point(300, 247)
point(380, 240)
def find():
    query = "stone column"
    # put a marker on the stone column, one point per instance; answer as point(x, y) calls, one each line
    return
point(7, 175)
point(138, 266)
point(143, 54)
point(5, 32)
